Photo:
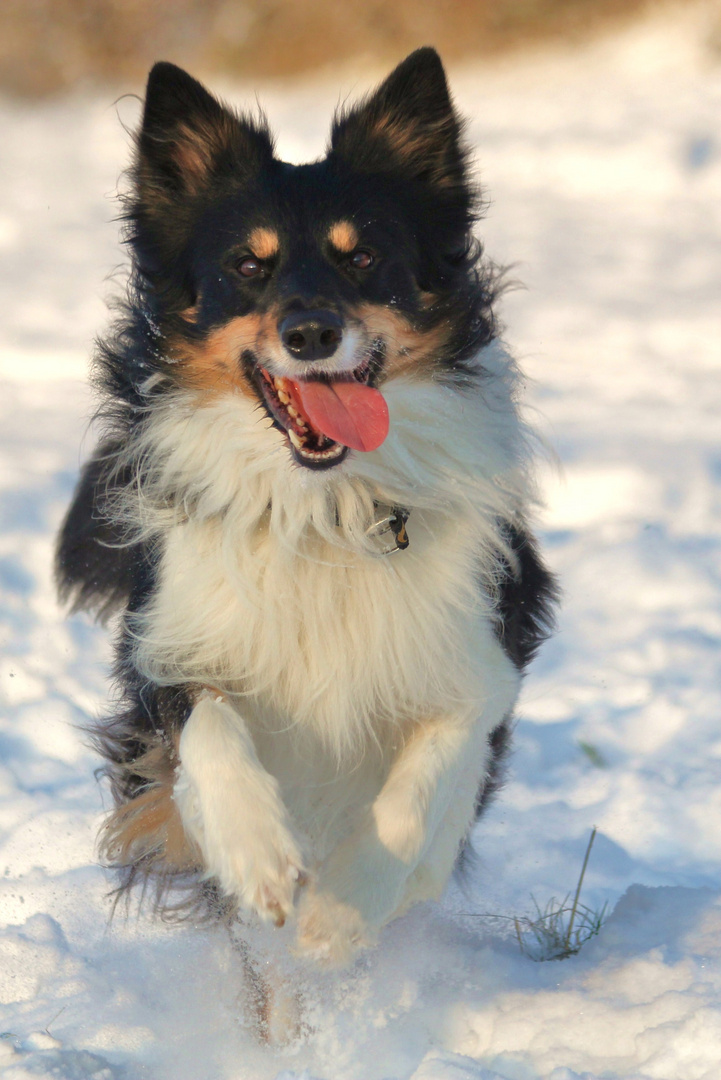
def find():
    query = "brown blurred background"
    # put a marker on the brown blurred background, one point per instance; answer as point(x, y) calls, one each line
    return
point(48, 46)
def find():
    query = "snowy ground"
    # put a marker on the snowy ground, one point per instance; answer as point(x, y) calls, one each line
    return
point(604, 172)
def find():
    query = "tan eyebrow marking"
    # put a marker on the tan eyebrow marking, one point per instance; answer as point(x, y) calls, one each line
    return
point(264, 242)
point(343, 235)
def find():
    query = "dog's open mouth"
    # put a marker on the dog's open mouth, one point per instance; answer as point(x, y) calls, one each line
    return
point(325, 417)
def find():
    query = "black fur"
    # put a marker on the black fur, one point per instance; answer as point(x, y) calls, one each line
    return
point(96, 568)
point(527, 598)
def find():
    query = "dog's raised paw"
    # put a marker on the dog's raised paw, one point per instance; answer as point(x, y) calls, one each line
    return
point(266, 879)
point(275, 901)
point(258, 864)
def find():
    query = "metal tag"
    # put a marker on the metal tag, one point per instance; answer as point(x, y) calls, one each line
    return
point(390, 529)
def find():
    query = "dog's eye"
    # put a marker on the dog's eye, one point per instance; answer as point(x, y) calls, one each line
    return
point(249, 267)
point(361, 260)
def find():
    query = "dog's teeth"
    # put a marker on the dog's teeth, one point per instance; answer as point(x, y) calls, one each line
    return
point(284, 399)
point(321, 455)
point(295, 439)
point(291, 411)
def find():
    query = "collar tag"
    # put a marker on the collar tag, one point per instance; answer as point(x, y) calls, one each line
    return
point(389, 529)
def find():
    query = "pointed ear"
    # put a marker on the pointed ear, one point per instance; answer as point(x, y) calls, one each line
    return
point(187, 137)
point(409, 123)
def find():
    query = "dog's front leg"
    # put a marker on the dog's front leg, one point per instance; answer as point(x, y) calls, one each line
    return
point(232, 809)
point(434, 779)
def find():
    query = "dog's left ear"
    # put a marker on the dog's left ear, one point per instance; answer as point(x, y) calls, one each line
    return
point(408, 124)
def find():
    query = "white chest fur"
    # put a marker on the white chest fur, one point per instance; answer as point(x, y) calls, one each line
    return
point(325, 638)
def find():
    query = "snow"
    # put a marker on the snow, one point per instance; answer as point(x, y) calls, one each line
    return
point(603, 169)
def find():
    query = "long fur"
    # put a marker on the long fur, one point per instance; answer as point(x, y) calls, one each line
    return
point(306, 725)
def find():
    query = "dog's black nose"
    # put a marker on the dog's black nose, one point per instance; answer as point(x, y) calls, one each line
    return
point(311, 335)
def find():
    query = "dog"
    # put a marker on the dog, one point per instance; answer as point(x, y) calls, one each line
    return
point(308, 516)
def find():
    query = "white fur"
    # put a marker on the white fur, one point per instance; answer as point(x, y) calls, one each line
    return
point(367, 685)
point(232, 809)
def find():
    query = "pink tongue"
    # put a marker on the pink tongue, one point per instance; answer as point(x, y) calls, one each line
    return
point(347, 412)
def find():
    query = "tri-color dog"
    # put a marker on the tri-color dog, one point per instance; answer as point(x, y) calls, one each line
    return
point(309, 510)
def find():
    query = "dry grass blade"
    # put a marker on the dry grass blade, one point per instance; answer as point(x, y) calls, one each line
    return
point(559, 930)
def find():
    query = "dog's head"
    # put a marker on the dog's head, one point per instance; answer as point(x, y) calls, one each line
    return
point(309, 288)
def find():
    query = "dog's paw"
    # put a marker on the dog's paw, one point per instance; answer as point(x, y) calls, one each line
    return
point(264, 873)
point(274, 897)
point(330, 931)
point(247, 847)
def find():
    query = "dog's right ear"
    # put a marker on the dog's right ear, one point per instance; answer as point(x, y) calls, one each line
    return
point(188, 138)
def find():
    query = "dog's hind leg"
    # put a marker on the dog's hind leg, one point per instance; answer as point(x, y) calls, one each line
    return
point(232, 808)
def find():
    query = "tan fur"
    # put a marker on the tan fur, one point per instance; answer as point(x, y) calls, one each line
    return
point(264, 243)
point(343, 235)
point(149, 826)
point(194, 157)
point(409, 351)
point(196, 150)
point(422, 143)
point(215, 364)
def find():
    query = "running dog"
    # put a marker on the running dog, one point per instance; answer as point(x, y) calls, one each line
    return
point(308, 512)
